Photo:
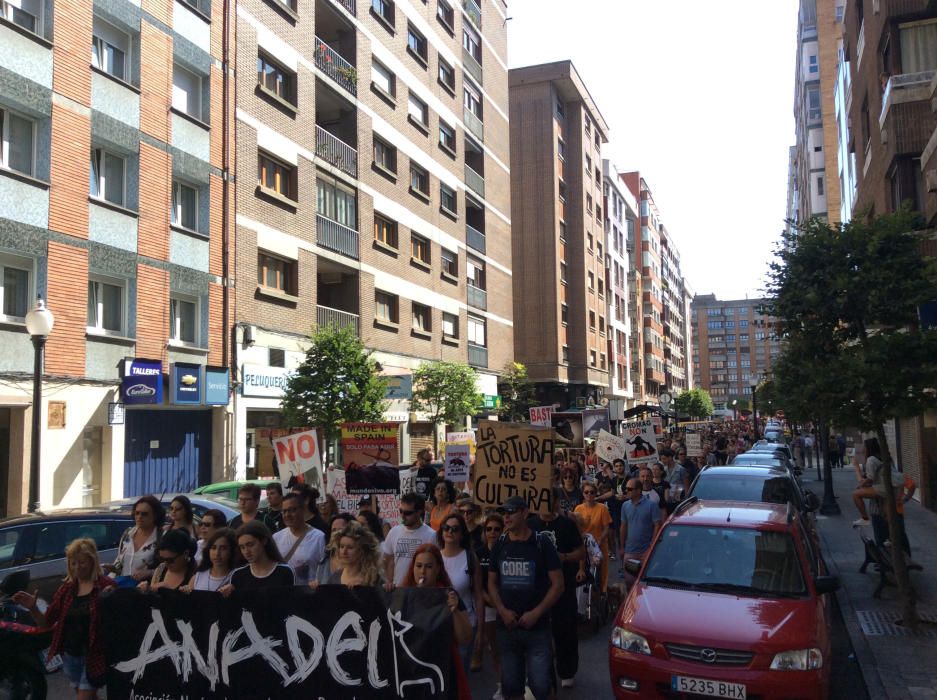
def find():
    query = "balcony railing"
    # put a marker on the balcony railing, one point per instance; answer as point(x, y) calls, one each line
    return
point(898, 84)
point(326, 316)
point(473, 11)
point(477, 355)
point(348, 5)
point(472, 67)
point(473, 124)
point(475, 181)
point(330, 62)
point(335, 236)
point(332, 149)
point(474, 239)
point(477, 297)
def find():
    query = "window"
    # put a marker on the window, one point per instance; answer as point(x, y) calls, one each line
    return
point(416, 44)
point(384, 9)
point(183, 315)
point(591, 276)
point(475, 273)
point(743, 323)
point(276, 176)
point(385, 231)
point(422, 318)
point(602, 361)
point(564, 314)
point(592, 358)
point(444, 14)
point(276, 273)
point(110, 48)
point(337, 202)
point(15, 292)
point(476, 331)
point(472, 44)
point(23, 13)
point(383, 79)
point(601, 283)
point(417, 110)
point(446, 76)
point(276, 79)
point(17, 142)
point(446, 137)
point(184, 206)
point(813, 66)
point(385, 307)
point(820, 185)
point(448, 199)
point(559, 108)
point(385, 156)
point(563, 231)
point(186, 92)
point(108, 172)
point(566, 354)
point(589, 239)
point(563, 273)
point(450, 325)
point(561, 148)
point(420, 248)
point(471, 99)
point(105, 306)
point(592, 320)
point(419, 180)
point(450, 262)
point(276, 357)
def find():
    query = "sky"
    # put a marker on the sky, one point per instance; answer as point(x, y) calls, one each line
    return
point(699, 98)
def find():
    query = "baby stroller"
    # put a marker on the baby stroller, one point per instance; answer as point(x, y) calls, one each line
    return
point(592, 603)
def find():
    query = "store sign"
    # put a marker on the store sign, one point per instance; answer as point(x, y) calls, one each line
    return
point(217, 385)
point(491, 401)
point(142, 382)
point(259, 380)
point(399, 386)
point(186, 383)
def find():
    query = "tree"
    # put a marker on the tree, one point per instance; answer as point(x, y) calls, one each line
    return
point(847, 300)
point(695, 403)
point(446, 391)
point(517, 393)
point(336, 383)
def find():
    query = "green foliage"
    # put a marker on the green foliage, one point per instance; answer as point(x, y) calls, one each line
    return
point(695, 403)
point(336, 383)
point(446, 391)
point(517, 393)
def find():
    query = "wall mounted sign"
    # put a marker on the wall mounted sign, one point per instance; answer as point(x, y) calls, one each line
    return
point(260, 380)
point(217, 385)
point(115, 413)
point(142, 382)
point(186, 383)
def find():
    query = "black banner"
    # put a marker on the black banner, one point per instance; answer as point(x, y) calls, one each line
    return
point(332, 643)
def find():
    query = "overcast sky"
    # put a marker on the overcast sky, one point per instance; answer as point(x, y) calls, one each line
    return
point(698, 97)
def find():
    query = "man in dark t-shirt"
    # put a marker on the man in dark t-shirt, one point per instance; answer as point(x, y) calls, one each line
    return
point(424, 473)
point(564, 534)
point(525, 581)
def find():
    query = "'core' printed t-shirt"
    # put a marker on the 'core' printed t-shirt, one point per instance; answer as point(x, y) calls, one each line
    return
point(522, 568)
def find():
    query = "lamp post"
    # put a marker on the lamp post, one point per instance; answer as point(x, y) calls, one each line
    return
point(735, 411)
point(755, 410)
point(39, 322)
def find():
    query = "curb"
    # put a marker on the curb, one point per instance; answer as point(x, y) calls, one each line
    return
point(860, 645)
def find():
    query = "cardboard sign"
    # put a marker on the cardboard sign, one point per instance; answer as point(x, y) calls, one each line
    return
point(541, 415)
point(388, 504)
point(609, 447)
point(370, 458)
point(513, 459)
point(640, 441)
point(298, 455)
point(694, 445)
point(458, 461)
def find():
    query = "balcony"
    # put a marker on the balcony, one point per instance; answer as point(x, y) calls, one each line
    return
point(477, 297)
point(474, 239)
point(326, 316)
point(473, 11)
point(335, 151)
point(471, 65)
point(477, 356)
point(348, 5)
point(475, 125)
point(330, 62)
point(337, 237)
point(907, 87)
point(474, 181)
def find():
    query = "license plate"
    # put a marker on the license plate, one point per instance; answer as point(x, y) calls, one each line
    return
point(703, 686)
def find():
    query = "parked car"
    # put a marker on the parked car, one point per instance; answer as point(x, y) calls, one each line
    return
point(36, 542)
point(766, 459)
point(229, 489)
point(729, 603)
point(200, 503)
point(775, 448)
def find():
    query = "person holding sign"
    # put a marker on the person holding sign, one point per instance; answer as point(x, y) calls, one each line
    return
point(525, 581)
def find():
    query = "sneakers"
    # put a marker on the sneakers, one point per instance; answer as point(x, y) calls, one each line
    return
point(568, 682)
point(861, 522)
point(498, 695)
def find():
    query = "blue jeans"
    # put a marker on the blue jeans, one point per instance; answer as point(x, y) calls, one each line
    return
point(533, 646)
point(76, 672)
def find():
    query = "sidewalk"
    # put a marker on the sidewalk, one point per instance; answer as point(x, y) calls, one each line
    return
point(895, 664)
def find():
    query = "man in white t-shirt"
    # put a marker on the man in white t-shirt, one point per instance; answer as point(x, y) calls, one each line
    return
point(403, 539)
point(301, 545)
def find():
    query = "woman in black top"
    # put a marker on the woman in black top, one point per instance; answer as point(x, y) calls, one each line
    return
point(265, 567)
point(494, 527)
point(177, 562)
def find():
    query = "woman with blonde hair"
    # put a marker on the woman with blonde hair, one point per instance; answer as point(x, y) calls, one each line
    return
point(359, 556)
point(75, 620)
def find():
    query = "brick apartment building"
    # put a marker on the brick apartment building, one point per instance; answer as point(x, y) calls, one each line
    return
point(560, 306)
point(373, 153)
point(112, 178)
point(733, 348)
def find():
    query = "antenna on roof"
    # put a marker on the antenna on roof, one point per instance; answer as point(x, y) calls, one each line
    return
point(729, 516)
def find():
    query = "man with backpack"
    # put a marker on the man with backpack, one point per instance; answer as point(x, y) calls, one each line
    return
point(525, 580)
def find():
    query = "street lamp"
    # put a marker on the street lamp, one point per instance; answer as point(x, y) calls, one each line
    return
point(755, 410)
point(735, 411)
point(39, 322)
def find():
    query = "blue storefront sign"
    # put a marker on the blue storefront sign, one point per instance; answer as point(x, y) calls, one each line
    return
point(399, 386)
point(216, 386)
point(186, 383)
point(142, 382)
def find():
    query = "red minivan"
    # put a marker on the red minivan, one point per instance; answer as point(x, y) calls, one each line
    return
point(729, 603)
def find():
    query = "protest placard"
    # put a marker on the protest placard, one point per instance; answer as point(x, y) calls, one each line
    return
point(640, 440)
point(298, 456)
point(694, 445)
point(513, 459)
point(568, 428)
point(595, 420)
point(458, 461)
point(609, 447)
point(541, 416)
point(370, 457)
point(388, 504)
